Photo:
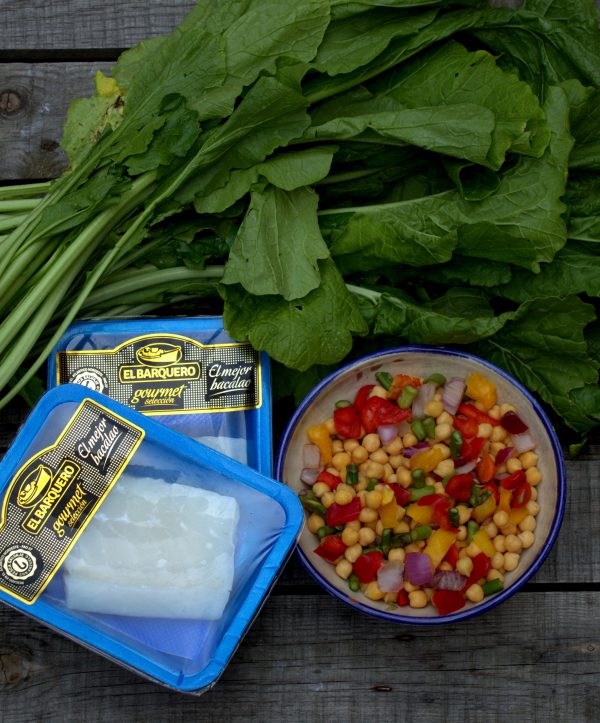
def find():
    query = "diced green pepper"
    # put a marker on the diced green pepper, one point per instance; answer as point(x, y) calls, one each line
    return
point(429, 427)
point(418, 430)
point(352, 474)
point(407, 396)
point(456, 441)
point(436, 378)
point(489, 588)
point(454, 517)
point(386, 541)
point(384, 379)
point(324, 531)
point(310, 503)
point(416, 494)
point(372, 484)
point(342, 403)
point(418, 478)
point(472, 528)
point(354, 583)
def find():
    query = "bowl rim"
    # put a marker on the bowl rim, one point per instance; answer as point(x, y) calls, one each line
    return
point(487, 603)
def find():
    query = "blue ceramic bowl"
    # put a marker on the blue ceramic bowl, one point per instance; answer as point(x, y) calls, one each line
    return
point(422, 361)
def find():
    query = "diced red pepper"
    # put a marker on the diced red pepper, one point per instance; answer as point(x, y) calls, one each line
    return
point(467, 427)
point(481, 567)
point(402, 598)
point(362, 396)
point(493, 488)
point(521, 495)
point(366, 566)
point(331, 480)
point(347, 422)
point(447, 601)
point(331, 548)
point(452, 556)
point(399, 382)
point(485, 468)
point(471, 411)
point(513, 480)
point(460, 487)
point(402, 496)
point(340, 514)
point(430, 499)
point(377, 411)
point(471, 448)
point(440, 513)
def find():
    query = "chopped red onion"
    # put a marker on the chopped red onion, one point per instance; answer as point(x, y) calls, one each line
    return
point(390, 576)
point(309, 476)
point(388, 432)
point(503, 455)
point(424, 396)
point(523, 442)
point(468, 466)
point(448, 580)
point(452, 394)
point(513, 423)
point(411, 451)
point(418, 568)
point(311, 456)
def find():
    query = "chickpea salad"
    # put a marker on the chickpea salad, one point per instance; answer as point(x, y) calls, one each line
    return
point(422, 491)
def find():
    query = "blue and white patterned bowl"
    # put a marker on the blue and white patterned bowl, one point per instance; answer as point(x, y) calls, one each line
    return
point(422, 361)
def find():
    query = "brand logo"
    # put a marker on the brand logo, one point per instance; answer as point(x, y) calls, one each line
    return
point(34, 485)
point(225, 379)
point(19, 563)
point(159, 362)
point(90, 378)
point(159, 355)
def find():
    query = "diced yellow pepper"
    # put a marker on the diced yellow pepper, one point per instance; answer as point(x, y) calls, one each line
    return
point(517, 516)
point(485, 510)
point(319, 435)
point(438, 544)
point(505, 498)
point(483, 542)
point(388, 514)
point(427, 460)
point(423, 514)
point(481, 389)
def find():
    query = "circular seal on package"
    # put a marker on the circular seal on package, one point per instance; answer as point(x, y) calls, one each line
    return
point(19, 563)
point(90, 378)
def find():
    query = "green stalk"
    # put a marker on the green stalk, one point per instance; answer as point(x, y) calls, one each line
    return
point(22, 204)
point(23, 268)
point(24, 190)
point(11, 220)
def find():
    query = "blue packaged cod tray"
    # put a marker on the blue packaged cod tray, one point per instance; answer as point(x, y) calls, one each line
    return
point(186, 372)
point(134, 540)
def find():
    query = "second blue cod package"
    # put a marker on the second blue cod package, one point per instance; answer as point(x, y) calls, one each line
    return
point(186, 372)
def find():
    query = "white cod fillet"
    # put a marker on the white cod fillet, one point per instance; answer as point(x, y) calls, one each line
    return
point(157, 550)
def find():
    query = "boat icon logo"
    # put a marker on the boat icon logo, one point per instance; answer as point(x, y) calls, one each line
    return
point(34, 485)
point(159, 354)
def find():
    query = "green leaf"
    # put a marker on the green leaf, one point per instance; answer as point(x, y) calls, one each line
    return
point(279, 244)
point(460, 316)
point(314, 330)
point(544, 347)
point(462, 270)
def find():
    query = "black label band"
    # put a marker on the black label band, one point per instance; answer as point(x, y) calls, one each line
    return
point(161, 374)
point(56, 493)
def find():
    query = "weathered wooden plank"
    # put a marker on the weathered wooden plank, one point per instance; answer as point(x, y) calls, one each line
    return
point(33, 105)
point(310, 658)
point(71, 24)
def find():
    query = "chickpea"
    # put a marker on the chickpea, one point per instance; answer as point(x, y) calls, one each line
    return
point(511, 560)
point(315, 522)
point(401, 528)
point(439, 488)
point(527, 539)
point(400, 513)
point(374, 499)
point(408, 587)
point(528, 524)
point(464, 514)
point(475, 593)
point(499, 543)
point(374, 470)
point(532, 507)
point(387, 495)
point(513, 465)
point(444, 418)
point(371, 442)
point(320, 488)
point(352, 553)
point(473, 550)
point(397, 553)
point(513, 544)
point(354, 525)
point(413, 547)
point(509, 529)
point(395, 460)
point(404, 477)
point(495, 575)
point(394, 447)
point(361, 484)
point(367, 515)
point(343, 569)
point(359, 454)
point(379, 528)
point(417, 599)
point(349, 536)
point(443, 432)
point(528, 459)
point(328, 499)
point(373, 592)
point(443, 449)
point(491, 529)
point(444, 468)
point(506, 408)
point(330, 425)
point(390, 597)
point(464, 566)
point(485, 430)
point(498, 434)
point(497, 561)
point(495, 447)
point(434, 409)
point(344, 495)
point(534, 494)
point(409, 440)
point(379, 456)
point(533, 476)
point(378, 391)
point(445, 567)
point(500, 518)
point(494, 412)
point(462, 533)
point(366, 536)
point(337, 446)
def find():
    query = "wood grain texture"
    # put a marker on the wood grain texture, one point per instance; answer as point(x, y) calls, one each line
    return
point(533, 656)
point(31, 128)
point(85, 24)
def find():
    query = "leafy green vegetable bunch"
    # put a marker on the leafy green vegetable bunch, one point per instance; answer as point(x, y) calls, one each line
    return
point(340, 173)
